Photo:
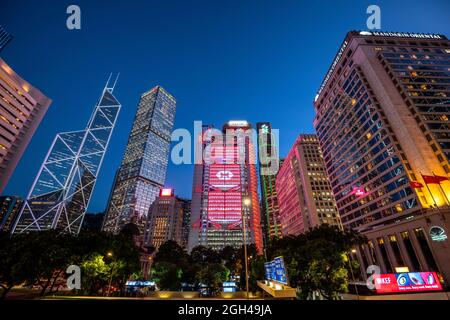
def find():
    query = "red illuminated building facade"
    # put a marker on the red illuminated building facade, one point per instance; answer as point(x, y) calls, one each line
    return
point(225, 195)
point(304, 192)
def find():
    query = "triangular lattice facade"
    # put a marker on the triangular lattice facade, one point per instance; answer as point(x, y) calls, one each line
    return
point(63, 187)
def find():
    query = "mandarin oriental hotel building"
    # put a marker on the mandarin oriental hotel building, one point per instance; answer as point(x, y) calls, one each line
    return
point(382, 119)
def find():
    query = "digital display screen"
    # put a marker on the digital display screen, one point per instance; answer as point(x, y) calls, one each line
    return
point(225, 197)
point(407, 282)
point(140, 283)
point(165, 192)
point(276, 271)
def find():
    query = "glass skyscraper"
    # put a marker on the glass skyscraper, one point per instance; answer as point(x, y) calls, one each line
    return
point(63, 187)
point(143, 169)
point(5, 38)
point(270, 223)
point(9, 209)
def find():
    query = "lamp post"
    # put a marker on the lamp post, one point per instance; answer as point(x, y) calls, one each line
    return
point(351, 271)
point(110, 254)
point(150, 261)
point(247, 203)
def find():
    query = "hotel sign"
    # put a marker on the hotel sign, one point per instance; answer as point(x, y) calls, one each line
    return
point(333, 66)
point(437, 234)
point(238, 123)
point(401, 34)
point(373, 33)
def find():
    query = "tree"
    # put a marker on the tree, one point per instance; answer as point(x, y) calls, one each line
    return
point(171, 251)
point(315, 261)
point(95, 273)
point(51, 253)
point(167, 275)
point(170, 264)
point(213, 276)
point(42, 257)
point(256, 272)
point(14, 267)
point(230, 257)
point(252, 256)
point(204, 255)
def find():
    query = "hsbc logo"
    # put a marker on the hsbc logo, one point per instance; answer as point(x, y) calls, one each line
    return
point(224, 175)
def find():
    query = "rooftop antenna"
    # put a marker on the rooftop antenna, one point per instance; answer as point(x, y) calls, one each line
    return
point(115, 81)
point(107, 81)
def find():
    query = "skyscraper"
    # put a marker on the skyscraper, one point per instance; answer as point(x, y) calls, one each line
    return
point(22, 108)
point(304, 191)
point(5, 38)
point(269, 201)
point(225, 190)
point(165, 220)
point(142, 173)
point(63, 187)
point(9, 210)
point(197, 233)
point(382, 119)
point(186, 227)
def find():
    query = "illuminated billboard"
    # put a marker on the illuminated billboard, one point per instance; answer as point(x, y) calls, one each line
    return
point(166, 192)
point(225, 197)
point(276, 271)
point(407, 282)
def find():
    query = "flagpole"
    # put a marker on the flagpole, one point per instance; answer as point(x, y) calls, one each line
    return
point(446, 198)
point(426, 184)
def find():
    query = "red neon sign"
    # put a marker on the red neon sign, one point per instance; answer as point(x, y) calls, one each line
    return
point(359, 191)
point(407, 282)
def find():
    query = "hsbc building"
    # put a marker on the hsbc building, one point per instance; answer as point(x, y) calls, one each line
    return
point(225, 197)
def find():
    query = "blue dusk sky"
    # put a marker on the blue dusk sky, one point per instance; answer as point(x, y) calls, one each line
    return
point(221, 59)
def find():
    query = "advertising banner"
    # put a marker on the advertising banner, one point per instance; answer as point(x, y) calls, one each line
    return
point(276, 271)
point(407, 282)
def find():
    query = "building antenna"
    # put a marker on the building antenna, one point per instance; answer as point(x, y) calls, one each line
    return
point(107, 82)
point(115, 81)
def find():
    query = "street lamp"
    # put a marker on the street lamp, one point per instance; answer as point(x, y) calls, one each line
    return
point(247, 203)
point(350, 260)
point(110, 254)
point(149, 271)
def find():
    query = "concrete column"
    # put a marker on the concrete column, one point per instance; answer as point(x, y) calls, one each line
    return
point(390, 252)
point(362, 267)
point(379, 256)
point(423, 262)
point(404, 252)
point(368, 255)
